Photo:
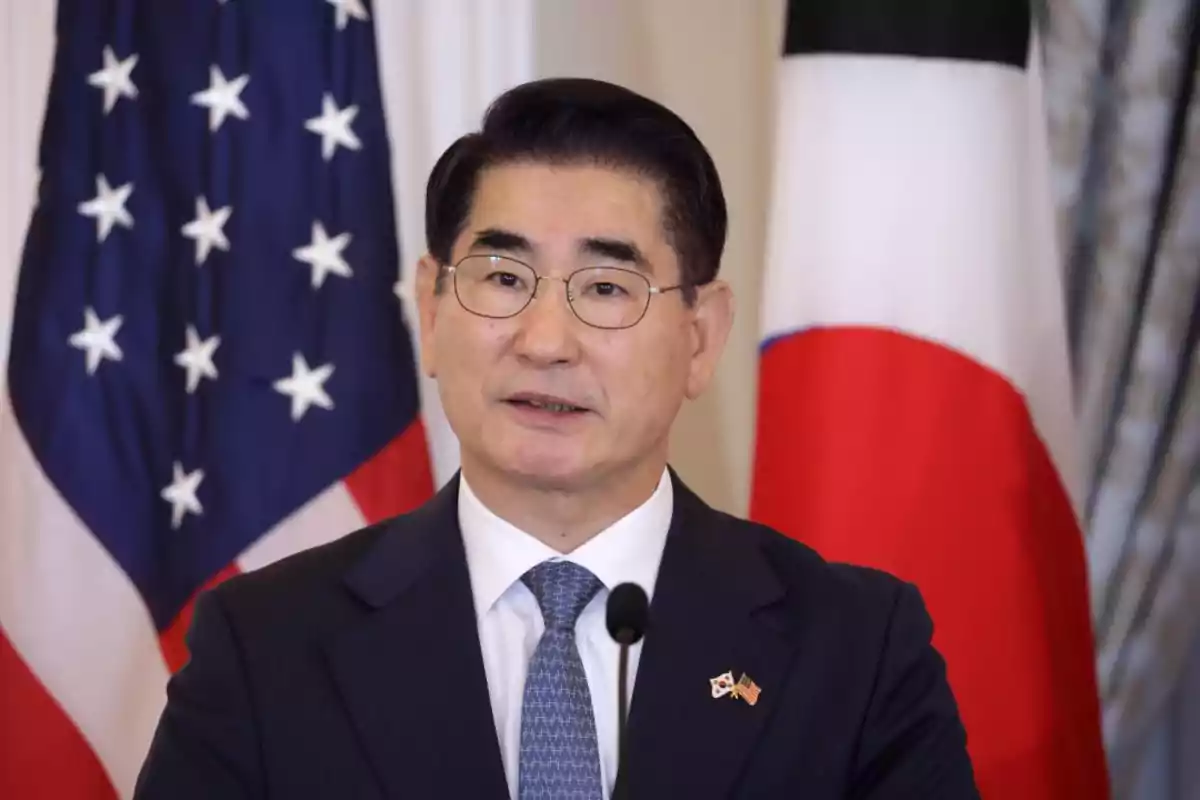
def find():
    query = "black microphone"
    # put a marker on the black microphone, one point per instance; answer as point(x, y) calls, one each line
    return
point(627, 611)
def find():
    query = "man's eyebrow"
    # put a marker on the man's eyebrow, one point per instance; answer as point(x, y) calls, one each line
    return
point(500, 239)
point(617, 250)
point(621, 250)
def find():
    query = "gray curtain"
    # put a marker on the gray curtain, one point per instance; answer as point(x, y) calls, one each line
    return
point(1125, 139)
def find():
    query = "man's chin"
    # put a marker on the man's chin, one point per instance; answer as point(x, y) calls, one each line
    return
point(545, 471)
point(550, 477)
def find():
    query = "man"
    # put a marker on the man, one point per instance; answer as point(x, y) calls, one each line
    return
point(568, 306)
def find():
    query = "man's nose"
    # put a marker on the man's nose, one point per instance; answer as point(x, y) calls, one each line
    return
point(548, 326)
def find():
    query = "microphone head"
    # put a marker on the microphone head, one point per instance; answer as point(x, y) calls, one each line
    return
point(627, 611)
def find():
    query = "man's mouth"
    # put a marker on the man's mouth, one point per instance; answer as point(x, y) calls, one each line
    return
point(546, 403)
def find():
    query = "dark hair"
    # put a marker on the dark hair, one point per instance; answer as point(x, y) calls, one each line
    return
point(585, 121)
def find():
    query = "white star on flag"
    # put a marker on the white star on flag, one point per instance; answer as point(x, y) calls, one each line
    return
point(115, 78)
point(108, 207)
point(181, 494)
point(334, 127)
point(324, 255)
point(221, 98)
point(206, 229)
point(347, 9)
point(305, 386)
point(98, 339)
point(197, 358)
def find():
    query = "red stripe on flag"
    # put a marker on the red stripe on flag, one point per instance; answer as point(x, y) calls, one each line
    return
point(882, 450)
point(395, 480)
point(37, 733)
point(173, 641)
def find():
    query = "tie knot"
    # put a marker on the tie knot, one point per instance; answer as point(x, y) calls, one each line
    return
point(562, 589)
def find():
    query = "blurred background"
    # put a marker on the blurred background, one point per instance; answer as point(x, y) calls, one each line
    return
point(1116, 85)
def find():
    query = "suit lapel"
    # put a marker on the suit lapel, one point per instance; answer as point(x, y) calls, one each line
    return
point(708, 616)
point(412, 672)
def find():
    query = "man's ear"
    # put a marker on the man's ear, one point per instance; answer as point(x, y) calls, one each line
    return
point(712, 319)
point(428, 301)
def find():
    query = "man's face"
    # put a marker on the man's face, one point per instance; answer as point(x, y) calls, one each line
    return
point(506, 384)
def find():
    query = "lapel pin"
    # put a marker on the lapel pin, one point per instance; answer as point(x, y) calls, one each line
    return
point(744, 689)
point(722, 684)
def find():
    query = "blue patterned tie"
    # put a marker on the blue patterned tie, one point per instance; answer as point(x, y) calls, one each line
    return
point(559, 755)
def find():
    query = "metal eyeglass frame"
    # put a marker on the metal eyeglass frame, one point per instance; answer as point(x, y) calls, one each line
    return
point(452, 270)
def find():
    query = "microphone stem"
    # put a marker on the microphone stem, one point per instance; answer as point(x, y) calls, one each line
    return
point(622, 716)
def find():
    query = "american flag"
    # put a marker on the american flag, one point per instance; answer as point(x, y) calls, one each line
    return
point(748, 690)
point(210, 368)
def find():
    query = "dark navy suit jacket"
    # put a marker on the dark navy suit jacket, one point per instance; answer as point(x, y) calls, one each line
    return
point(353, 670)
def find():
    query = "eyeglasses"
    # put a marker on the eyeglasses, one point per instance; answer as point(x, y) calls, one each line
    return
point(499, 287)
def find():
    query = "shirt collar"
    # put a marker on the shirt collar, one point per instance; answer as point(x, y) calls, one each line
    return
point(499, 553)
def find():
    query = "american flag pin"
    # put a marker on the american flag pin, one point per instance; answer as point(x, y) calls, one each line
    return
point(746, 689)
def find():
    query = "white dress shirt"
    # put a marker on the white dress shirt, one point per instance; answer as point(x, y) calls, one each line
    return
point(510, 621)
